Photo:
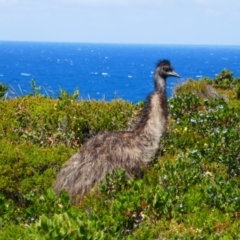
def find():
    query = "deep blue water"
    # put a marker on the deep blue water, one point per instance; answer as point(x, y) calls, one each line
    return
point(107, 71)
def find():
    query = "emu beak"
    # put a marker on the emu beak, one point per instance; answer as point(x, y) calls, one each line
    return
point(173, 74)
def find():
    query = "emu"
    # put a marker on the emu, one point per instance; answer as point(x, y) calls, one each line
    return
point(130, 150)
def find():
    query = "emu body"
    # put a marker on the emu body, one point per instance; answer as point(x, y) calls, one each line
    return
point(130, 150)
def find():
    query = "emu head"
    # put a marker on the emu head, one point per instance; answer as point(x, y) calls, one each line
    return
point(164, 69)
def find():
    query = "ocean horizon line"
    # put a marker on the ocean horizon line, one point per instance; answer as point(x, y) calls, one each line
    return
point(119, 43)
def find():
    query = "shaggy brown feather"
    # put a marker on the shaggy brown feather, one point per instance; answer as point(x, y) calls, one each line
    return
point(130, 150)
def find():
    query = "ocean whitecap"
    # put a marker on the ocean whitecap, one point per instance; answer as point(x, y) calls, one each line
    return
point(25, 74)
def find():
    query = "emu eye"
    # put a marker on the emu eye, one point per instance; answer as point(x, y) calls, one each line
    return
point(166, 69)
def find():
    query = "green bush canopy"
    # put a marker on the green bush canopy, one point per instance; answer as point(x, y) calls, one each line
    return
point(189, 191)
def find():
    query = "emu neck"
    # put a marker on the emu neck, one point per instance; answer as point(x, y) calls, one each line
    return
point(160, 84)
point(157, 116)
point(153, 120)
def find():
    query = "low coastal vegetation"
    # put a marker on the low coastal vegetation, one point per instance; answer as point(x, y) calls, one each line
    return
point(191, 189)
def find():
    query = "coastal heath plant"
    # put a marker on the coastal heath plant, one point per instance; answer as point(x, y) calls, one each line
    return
point(3, 90)
point(224, 79)
point(189, 191)
point(66, 98)
point(35, 90)
point(238, 91)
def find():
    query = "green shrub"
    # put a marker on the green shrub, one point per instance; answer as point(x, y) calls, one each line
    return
point(37, 135)
point(3, 89)
point(224, 82)
point(189, 191)
point(238, 91)
point(224, 79)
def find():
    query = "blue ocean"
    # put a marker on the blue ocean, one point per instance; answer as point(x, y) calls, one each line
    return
point(106, 71)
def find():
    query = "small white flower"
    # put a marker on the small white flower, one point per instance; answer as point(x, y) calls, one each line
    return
point(193, 151)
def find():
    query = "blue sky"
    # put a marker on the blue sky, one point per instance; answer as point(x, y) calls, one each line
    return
point(122, 21)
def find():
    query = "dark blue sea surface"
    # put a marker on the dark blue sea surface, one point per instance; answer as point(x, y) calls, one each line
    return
point(107, 71)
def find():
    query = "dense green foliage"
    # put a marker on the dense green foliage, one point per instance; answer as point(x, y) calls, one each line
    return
point(191, 190)
point(3, 89)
